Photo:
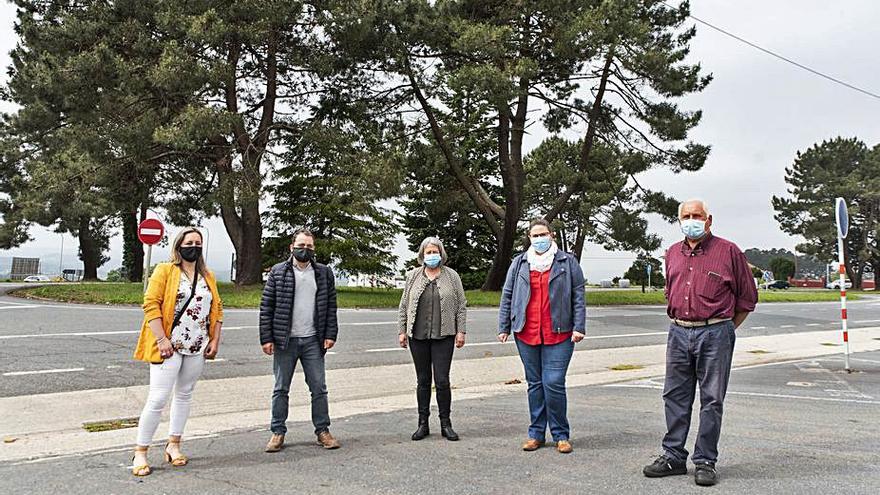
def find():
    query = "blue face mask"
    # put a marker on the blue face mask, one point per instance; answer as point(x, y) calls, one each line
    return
point(541, 244)
point(693, 228)
point(432, 260)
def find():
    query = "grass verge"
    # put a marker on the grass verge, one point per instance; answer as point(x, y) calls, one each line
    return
point(361, 297)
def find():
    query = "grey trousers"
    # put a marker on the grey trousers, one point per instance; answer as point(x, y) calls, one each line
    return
point(696, 355)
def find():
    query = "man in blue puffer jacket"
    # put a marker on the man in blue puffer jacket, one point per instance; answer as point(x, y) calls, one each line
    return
point(298, 323)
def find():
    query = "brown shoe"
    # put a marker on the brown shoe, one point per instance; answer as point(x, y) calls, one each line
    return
point(563, 447)
point(326, 440)
point(275, 443)
point(532, 445)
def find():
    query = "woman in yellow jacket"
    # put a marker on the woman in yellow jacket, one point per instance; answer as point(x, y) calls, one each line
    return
point(181, 328)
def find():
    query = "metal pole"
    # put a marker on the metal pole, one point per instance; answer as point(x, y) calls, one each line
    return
point(61, 260)
point(147, 266)
point(843, 304)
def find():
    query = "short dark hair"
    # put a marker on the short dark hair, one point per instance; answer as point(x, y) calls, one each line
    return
point(534, 222)
point(539, 221)
point(303, 231)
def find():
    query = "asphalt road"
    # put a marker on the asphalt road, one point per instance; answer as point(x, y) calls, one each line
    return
point(797, 427)
point(46, 347)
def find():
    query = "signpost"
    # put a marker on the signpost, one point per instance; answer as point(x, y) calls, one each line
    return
point(842, 217)
point(150, 232)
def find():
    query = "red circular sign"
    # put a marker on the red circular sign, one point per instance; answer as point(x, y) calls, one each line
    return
point(151, 231)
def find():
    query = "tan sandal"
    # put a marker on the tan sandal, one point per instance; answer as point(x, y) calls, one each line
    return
point(141, 470)
point(178, 461)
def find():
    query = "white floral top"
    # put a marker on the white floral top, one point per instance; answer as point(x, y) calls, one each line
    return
point(190, 336)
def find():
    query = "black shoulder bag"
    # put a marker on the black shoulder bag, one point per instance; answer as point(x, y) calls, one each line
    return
point(192, 294)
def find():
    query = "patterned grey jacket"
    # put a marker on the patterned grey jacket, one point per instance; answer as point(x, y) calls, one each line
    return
point(453, 303)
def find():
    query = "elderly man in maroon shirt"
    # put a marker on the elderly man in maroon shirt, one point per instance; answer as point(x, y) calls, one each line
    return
point(710, 290)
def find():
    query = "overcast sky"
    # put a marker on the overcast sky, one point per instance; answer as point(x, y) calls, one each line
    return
point(757, 113)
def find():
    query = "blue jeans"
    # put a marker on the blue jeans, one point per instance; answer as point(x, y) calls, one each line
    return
point(704, 355)
point(309, 352)
point(545, 367)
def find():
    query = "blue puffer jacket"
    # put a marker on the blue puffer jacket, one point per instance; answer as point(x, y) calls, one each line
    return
point(567, 302)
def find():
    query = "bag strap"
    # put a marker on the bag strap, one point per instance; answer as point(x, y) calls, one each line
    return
point(192, 294)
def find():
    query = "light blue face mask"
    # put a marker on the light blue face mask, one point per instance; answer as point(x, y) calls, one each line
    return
point(693, 228)
point(541, 244)
point(432, 260)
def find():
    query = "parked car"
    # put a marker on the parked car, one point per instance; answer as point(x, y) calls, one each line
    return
point(778, 284)
point(37, 278)
point(835, 284)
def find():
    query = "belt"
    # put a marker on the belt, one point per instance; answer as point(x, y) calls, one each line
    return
point(699, 323)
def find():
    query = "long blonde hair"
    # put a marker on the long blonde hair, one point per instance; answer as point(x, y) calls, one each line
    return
point(175, 255)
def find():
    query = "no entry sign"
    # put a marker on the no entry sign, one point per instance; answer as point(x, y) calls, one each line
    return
point(151, 231)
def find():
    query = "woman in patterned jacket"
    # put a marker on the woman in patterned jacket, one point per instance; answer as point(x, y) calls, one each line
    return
point(432, 316)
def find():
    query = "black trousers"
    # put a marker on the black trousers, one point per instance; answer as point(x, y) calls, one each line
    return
point(435, 356)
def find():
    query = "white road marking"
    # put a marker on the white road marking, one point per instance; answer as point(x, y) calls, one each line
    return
point(89, 334)
point(366, 323)
point(42, 372)
point(757, 328)
point(20, 307)
point(865, 321)
point(69, 334)
point(787, 326)
point(510, 340)
point(814, 324)
point(216, 360)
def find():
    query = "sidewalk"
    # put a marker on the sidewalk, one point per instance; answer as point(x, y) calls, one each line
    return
point(51, 424)
point(791, 427)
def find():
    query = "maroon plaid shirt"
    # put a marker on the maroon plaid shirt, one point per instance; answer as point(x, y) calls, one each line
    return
point(713, 280)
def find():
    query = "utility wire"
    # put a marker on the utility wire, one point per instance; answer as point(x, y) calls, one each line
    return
point(780, 57)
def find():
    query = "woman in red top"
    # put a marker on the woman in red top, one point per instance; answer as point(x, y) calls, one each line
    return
point(542, 303)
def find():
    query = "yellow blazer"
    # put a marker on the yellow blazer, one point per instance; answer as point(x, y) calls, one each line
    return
point(159, 302)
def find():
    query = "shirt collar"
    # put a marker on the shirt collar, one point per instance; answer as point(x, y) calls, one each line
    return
point(302, 270)
point(700, 248)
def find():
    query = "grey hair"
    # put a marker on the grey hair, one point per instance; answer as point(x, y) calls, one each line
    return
point(694, 200)
point(436, 242)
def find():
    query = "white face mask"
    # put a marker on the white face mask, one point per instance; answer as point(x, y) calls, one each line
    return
point(693, 228)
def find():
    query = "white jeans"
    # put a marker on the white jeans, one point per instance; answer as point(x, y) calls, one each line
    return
point(179, 372)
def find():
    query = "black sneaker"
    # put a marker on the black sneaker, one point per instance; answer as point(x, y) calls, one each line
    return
point(704, 474)
point(665, 466)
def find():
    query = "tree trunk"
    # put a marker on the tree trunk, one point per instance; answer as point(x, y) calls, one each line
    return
point(89, 252)
point(578, 249)
point(133, 249)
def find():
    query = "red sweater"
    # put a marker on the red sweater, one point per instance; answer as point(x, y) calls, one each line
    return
point(539, 325)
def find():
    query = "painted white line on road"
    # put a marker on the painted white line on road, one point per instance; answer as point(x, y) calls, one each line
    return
point(814, 324)
point(367, 323)
point(623, 335)
point(864, 321)
point(759, 394)
point(873, 361)
point(42, 372)
point(20, 307)
point(69, 334)
point(510, 341)
point(787, 326)
point(89, 334)
point(757, 328)
point(216, 360)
